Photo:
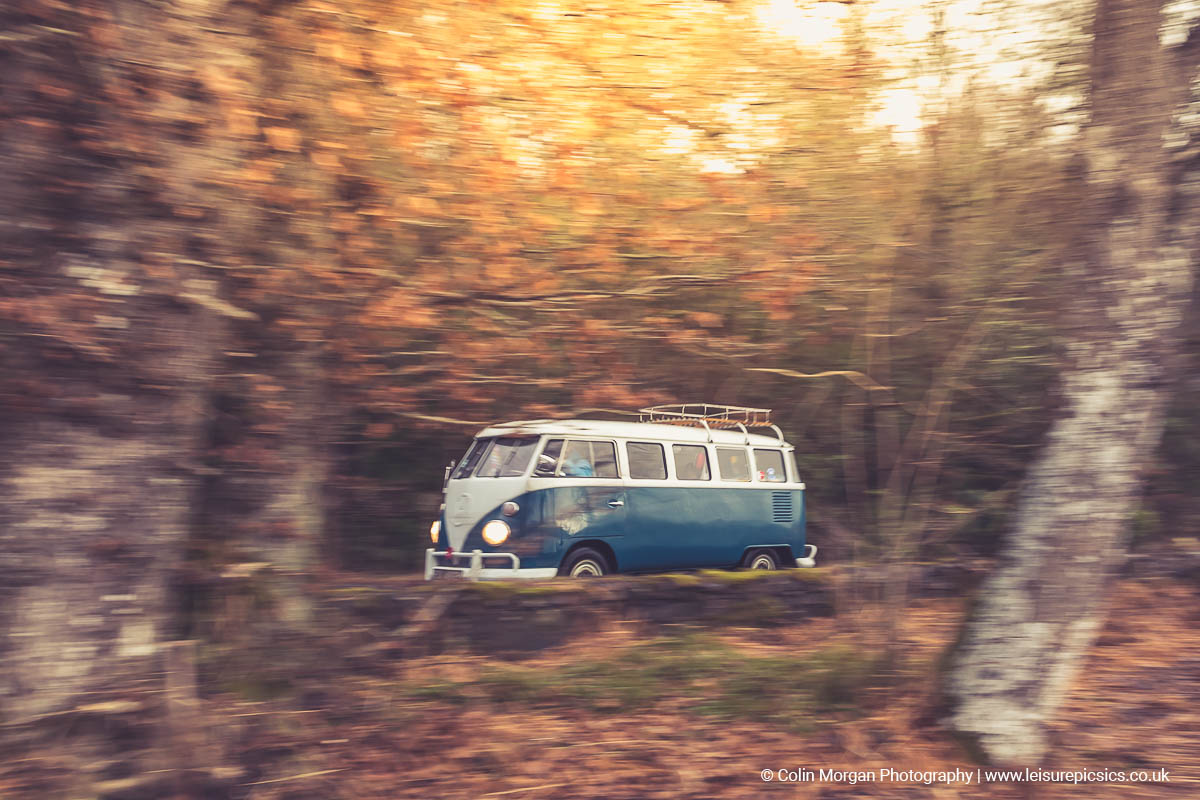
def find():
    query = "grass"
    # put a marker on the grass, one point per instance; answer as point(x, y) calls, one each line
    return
point(699, 672)
point(517, 588)
point(815, 575)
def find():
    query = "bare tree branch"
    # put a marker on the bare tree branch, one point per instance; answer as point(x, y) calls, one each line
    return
point(857, 378)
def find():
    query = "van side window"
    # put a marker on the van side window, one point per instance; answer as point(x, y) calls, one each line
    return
point(547, 462)
point(733, 464)
point(508, 457)
point(467, 465)
point(583, 459)
point(580, 459)
point(769, 464)
point(646, 461)
point(604, 456)
point(691, 462)
point(791, 460)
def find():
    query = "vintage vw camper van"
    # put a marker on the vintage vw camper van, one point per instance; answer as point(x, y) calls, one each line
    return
point(685, 487)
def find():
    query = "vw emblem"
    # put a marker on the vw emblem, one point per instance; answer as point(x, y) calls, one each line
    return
point(461, 514)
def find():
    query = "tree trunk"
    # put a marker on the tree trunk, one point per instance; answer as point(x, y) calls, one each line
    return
point(1040, 610)
point(284, 522)
point(110, 229)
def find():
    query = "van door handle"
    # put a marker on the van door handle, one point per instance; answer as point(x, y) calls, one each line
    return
point(615, 503)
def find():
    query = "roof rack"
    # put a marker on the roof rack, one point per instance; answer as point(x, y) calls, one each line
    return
point(709, 416)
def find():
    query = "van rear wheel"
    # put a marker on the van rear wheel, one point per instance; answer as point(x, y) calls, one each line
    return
point(761, 559)
point(585, 563)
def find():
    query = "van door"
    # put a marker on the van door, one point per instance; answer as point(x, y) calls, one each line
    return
point(652, 508)
point(589, 497)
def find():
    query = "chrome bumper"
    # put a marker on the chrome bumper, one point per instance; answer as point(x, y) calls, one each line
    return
point(810, 556)
point(474, 570)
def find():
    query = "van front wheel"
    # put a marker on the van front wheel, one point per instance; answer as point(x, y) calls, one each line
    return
point(585, 563)
point(761, 559)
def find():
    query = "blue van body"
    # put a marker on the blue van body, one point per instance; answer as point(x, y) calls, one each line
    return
point(718, 496)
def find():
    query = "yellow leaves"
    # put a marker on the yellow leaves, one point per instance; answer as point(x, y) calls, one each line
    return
point(242, 123)
point(392, 55)
point(357, 248)
point(707, 319)
point(348, 106)
point(421, 204)
point(778, 307)
point(596, 328)
point(220, 82)
point(583, 128)
point(260, 171)
point(563, 176)
point(683, 337)
point(501, 270)
point(419, 317)
point(678, 245)
point(284, 139)
point(542, 221)
point(400, 309)
point(323, 158)
point(760, 214)
point(596, 255)
point(344, 222)
point(543, 282)
point(495, 174)
point(798, 282)
point(346, 56)
point(405, 141)
point(683, 203)
point(589, 205)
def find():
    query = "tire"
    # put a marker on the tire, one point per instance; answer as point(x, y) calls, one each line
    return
point(761, 559)
point(584, 562)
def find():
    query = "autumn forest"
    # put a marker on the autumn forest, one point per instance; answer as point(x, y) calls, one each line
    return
point(266, 266)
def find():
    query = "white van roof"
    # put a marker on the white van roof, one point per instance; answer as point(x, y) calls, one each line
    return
point(644, 431)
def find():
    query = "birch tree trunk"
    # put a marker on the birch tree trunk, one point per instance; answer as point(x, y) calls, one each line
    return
point(1040, 610)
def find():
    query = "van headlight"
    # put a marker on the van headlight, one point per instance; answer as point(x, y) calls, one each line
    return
point(496, 532)
point(435, 529)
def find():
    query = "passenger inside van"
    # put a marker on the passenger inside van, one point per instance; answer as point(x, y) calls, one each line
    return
point(580, 459)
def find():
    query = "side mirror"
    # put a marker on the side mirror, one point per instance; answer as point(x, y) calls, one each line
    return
point(545, 466)
point(446, 474)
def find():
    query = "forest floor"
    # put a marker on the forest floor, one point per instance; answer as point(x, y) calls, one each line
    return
point(696, 714)
point(681, 713)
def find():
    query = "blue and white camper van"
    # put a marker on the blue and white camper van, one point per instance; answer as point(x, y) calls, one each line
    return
point(685, 487)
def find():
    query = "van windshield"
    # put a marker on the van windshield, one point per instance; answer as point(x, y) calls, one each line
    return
point(508, 457)
point(467, 465)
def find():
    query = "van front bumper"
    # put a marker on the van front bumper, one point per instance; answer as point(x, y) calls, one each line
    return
point(470, 566)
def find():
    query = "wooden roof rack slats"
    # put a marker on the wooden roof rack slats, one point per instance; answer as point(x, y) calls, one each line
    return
point(710, 412)
point(710, 416)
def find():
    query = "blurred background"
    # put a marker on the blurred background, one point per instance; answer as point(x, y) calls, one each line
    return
point(266, 266)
